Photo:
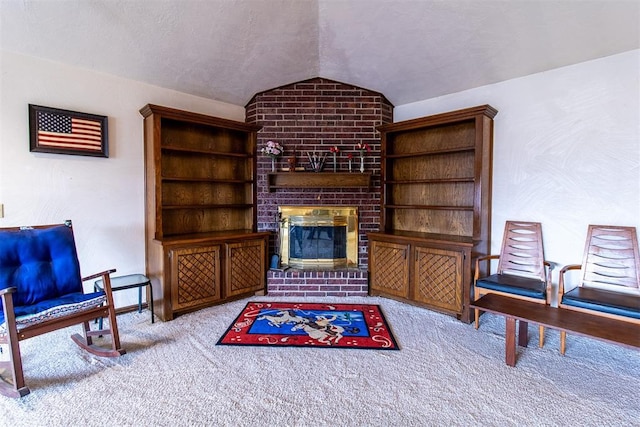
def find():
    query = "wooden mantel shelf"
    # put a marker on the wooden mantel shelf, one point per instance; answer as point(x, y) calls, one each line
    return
point(318, 180)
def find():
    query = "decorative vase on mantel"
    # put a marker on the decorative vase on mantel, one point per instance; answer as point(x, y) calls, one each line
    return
point(362, 147)
point(272, 149)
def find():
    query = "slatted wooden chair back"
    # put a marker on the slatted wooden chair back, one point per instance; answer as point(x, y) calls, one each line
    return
point(611, 259)
point(522, 250)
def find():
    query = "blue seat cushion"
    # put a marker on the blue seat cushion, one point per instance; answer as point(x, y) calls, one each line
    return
point(605, 301)
point(41, 263)
point(517, 285)
point(27, 315)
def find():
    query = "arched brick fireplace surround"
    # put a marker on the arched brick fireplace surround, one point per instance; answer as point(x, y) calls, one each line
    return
point(313, 116)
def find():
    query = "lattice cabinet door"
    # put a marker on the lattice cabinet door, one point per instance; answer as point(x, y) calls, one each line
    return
point(388, 268)
point(438, 278)
point(195, 276)
point(246, 267)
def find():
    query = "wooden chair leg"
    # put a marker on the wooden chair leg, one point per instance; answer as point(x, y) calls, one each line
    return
point(87, 343)
point(563, 342)
point(87, 333)
point(115, 336)
point(477, 315)
point(113, 323)
point(16, 387)
point(541, 331)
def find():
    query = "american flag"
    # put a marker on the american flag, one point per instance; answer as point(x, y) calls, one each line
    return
point(60, 131)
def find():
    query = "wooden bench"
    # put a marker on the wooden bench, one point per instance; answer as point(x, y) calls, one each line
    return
point(603, 328)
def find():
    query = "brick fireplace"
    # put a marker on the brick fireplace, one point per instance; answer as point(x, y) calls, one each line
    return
point(311, 117)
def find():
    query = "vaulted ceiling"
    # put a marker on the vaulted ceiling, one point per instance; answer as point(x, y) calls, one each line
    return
point(409, 50)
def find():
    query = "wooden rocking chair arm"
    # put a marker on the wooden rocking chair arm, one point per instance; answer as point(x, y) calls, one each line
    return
point(101, 274)
point(570, 267)
point(561, 278)
point(549, 266)
point(10, 290)
point(482, 258)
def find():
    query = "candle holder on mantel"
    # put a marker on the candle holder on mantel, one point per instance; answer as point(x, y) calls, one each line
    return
point(292, 162)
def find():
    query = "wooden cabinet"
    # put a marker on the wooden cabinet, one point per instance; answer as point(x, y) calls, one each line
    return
point(245, 266)
point(388, 267)
point(195, 276)
point(201, 240)
point(427, 269)
point(435, 208)
point(438, 275)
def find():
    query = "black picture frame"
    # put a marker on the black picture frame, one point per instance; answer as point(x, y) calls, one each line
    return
point(53, 130)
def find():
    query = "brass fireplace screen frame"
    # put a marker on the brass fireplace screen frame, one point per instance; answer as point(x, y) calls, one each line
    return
point(320, 216)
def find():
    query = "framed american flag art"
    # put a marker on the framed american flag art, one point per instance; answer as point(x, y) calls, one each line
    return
point(53, 130)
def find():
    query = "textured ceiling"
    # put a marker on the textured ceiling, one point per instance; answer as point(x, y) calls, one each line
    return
point(409, 50)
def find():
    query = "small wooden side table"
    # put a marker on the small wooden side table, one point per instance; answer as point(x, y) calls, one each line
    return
point(129, 282)
point(514, 310)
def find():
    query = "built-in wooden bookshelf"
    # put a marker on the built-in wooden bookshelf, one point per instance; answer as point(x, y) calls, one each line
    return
point(435, 208)
point(202, 245)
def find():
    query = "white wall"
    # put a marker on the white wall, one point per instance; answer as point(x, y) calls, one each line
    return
point(566, 149)
point(566, 153)
point(103, 196)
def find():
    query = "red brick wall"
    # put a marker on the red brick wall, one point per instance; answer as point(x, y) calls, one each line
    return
point(314, 115)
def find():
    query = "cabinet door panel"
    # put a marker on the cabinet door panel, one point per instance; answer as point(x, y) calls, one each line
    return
point(438, 278)
point(246, 269)
point(195, 276)
point(389, 268)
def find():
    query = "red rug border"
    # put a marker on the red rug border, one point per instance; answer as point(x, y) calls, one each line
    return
point(383, 319)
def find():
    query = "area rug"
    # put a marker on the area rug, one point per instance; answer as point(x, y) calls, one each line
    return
point(330, 325)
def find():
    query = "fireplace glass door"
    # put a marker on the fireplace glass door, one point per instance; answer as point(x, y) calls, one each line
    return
point(318, 237)
point(319, 244)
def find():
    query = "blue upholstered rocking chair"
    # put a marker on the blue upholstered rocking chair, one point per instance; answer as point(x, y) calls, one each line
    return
point(41, 291)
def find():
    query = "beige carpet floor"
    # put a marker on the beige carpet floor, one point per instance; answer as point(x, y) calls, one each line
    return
point(446, 373)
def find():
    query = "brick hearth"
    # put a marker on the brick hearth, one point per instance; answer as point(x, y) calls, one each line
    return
point(309, 116)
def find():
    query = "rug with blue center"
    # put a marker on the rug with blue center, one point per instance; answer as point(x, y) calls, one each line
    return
point(311, 325)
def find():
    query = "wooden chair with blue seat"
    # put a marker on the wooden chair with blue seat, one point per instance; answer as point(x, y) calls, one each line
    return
point(522, 271)
point(41, 291)
point(609, 283)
